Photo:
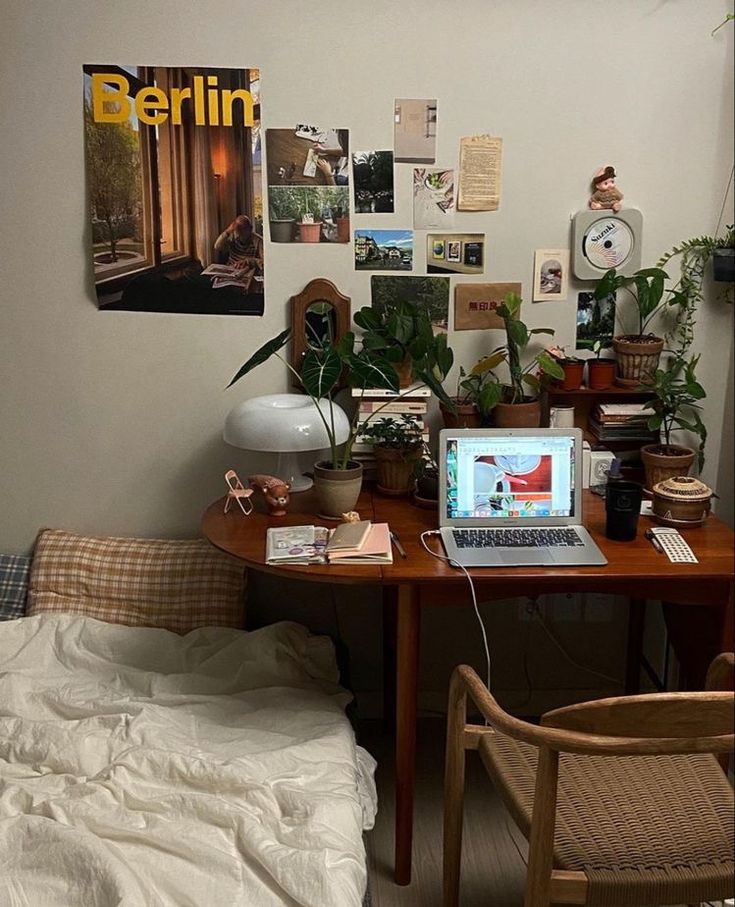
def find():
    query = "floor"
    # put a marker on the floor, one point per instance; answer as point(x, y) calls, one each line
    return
point(493, 869)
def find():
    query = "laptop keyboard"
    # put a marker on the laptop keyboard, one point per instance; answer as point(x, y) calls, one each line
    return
point(517, 538)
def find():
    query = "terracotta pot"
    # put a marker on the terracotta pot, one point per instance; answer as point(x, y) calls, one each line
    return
point(681, 499)
point(573, 374)
point(467, 416)
point(337, 490)
point(661, 462)
point(600, 373)
point(343, 229)
point(518, 415)
point(395, 469)
point(310, 232)
point(404, 369)
point(282, 229)
point(637, 360)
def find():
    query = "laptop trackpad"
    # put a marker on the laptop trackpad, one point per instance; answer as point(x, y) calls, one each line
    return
point(519, 558)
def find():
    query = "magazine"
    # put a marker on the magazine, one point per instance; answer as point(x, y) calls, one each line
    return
point(296, 545)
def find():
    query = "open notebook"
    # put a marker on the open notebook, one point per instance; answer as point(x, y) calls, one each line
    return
point(513, 497)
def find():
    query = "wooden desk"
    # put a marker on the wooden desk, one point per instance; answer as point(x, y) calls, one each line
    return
point(635, 569)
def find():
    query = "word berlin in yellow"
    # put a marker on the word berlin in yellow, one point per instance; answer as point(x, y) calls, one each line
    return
point(152, 106)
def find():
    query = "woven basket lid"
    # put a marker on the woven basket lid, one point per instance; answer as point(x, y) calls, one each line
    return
point(683, 488)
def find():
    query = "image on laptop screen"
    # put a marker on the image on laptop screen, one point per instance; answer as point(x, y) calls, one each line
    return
point(510, 476)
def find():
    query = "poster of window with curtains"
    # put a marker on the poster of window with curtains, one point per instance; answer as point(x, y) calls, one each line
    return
point(174, 188)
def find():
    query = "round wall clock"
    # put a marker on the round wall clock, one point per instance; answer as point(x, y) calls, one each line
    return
point(604, 239)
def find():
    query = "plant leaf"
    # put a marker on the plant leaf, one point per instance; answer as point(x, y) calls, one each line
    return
point(372, 371)
point(549, 365)
point(263, 354)
point(320, 372)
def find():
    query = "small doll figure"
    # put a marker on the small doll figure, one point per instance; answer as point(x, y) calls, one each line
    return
point(274, 490)
point(605, 195)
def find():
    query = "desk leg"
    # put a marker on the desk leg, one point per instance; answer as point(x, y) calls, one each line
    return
point(390, 599)
point(636, 622)
point(407, 669)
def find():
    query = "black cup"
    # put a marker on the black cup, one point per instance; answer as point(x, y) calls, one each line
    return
point(623, 507)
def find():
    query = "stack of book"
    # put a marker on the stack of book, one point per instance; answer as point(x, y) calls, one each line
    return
point(379, 404)
point(621, 422)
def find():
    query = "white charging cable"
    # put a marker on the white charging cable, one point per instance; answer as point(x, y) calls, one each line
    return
point(453, 563)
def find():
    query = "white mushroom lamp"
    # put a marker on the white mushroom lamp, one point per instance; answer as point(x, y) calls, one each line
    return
point(286, 424)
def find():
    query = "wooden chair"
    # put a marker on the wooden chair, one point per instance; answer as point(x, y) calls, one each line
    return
point(622, 800)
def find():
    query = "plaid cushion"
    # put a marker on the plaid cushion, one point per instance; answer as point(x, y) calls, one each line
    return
point(176, 585)
point(13, 585)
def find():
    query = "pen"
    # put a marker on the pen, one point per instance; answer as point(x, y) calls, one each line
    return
point(396, 541)
point(654, 541)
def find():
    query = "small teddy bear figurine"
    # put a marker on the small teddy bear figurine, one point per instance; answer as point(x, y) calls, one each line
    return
point(274, 490)
point(605, 195)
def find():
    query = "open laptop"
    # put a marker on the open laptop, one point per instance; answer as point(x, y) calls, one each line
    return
point(512, 497)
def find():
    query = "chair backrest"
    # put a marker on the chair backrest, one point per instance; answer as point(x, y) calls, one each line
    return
point(653, 715)
point(233, 481)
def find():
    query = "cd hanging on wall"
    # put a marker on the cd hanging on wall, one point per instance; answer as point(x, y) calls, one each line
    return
point(604, 240)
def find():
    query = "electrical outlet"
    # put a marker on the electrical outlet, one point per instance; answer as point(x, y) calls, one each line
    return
point(525, 609)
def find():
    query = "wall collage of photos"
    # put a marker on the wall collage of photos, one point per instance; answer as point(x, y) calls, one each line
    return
point(177, 207)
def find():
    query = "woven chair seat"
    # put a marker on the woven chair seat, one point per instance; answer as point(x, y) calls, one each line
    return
point(645, 830)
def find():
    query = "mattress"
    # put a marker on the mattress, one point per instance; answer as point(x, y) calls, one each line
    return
point(139, 767)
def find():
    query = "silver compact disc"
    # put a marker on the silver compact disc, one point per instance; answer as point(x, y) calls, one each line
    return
point(608, 243)
point(604, 240)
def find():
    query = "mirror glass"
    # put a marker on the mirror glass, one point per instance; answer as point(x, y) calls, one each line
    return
point(320, 323)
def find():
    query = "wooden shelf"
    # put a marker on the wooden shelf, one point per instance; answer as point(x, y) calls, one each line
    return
point(584, 399)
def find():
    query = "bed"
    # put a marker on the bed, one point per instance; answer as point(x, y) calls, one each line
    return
point(139, 766)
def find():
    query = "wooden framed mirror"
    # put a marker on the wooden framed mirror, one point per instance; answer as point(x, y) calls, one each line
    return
point(318, 313)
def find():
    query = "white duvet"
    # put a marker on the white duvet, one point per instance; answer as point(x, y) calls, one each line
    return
point(141, 768)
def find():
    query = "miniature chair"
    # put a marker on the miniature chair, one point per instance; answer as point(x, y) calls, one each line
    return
point(237, 492)
point(650, 829)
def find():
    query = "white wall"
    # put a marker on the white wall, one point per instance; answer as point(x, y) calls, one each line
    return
point(111, 422)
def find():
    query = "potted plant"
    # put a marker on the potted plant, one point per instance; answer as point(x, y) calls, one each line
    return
point(402, 333)
point(638, 353)
point(477, 393)
point(694, 256)
point(600, 372)
point(517, 408)
point(426, 472)
point(338, 480)
point(283, 212)
point(397, 444)
point(572, 367)
point(675, 405)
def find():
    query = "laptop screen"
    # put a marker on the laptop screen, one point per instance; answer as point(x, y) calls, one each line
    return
point(498, 476)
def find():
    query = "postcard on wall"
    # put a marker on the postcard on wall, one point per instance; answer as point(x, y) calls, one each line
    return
point(414, 130)
point(595, 320)
point(550, 274)
point(383, 250)
point(433, 198)
point(455, 253)
point(475, 304)
point(479, 179)
point(173, 181)
point(372, 173)
point(308, 184)
point(431, 293)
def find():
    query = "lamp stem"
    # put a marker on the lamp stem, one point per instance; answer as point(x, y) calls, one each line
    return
point(288, 469)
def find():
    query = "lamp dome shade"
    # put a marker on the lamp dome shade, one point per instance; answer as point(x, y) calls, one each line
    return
point(285, 424)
